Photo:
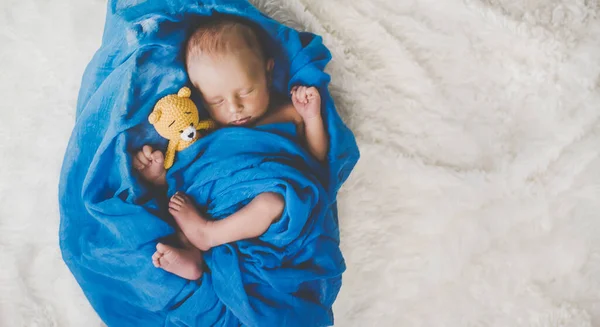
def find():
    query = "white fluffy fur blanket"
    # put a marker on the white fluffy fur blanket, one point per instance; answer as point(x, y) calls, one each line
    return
point(477, 199)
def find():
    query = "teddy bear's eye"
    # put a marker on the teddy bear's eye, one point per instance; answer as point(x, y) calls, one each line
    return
point(188, 112)
point(180, 131)
point(192, 124)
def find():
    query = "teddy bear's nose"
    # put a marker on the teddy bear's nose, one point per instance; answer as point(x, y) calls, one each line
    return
point(191, 135)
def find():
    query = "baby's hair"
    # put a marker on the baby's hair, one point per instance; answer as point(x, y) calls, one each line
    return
point(213, 36)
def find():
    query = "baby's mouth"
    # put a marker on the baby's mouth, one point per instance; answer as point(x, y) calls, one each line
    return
point(241, 121)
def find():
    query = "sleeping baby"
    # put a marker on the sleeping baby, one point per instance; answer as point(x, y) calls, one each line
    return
point(228, 65)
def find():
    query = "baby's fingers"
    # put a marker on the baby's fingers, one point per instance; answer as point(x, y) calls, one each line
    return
point(142, 159)
point(295, 93)
point(137, 164)
point(312, 92)
point(157, 157)
point(295, 98)
point(147, 151)
point(302, 95)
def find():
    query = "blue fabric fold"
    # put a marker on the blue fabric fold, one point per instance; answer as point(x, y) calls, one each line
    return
point(111, 222)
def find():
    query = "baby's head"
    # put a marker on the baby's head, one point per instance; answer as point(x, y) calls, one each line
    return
point(228, 64)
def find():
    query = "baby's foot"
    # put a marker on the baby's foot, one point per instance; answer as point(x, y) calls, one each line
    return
point(192, 224)
point(185, 263)
point(150, 164)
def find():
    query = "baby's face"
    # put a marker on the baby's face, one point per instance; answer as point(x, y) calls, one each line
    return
point(234, 87)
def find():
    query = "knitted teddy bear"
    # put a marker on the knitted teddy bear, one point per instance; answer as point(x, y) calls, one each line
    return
point(175, 117)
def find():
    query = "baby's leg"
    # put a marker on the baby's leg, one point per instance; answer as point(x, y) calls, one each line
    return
point(251, 221)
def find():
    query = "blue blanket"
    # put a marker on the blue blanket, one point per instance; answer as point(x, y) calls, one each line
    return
point(111, 222)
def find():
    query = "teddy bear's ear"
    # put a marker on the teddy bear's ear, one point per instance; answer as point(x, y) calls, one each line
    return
point(184, 92)
point(154, 117)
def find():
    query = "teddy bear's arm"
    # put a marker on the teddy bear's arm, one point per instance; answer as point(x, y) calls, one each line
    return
point(170, 155)
point(206, 124)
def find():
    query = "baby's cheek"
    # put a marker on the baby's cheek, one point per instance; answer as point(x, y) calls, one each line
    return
point(213, 113)
point(264, 101)
point(220, 116)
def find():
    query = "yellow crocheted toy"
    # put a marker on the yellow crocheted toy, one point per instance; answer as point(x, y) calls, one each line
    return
point(175, 117)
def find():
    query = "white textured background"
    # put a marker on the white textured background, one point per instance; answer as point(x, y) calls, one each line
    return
point(476, 202)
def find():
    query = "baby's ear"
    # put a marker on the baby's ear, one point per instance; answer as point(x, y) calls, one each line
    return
point(154, 117)
point(270, 65)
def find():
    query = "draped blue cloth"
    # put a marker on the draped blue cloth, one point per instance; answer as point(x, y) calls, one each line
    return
point(111, 221)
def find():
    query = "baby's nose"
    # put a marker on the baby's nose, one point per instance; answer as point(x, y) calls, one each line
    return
point(235, 107)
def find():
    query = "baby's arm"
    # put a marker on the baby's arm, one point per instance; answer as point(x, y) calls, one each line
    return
point(317, 139)
point(307, 102)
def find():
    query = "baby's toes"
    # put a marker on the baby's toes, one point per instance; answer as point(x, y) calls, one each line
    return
point(156, 259)
point(161, 248)
point(175, 202)
point(163, 262)
point(181, 198)
point(184, 198)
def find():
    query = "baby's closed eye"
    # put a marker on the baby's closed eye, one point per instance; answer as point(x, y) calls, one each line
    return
point(246, 93)
point(216, 103)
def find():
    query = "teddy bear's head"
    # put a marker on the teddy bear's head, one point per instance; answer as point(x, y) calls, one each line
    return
point(175, 117)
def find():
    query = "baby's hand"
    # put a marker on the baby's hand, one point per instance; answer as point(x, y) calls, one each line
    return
point(150, 164)
point(307, 101)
